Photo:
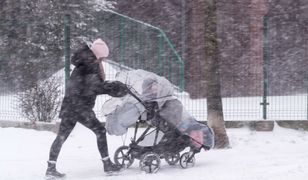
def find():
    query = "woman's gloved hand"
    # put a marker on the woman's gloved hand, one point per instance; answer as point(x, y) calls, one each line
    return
point(115, 88)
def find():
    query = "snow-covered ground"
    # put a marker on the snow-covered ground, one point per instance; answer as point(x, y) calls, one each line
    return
point(278, 155)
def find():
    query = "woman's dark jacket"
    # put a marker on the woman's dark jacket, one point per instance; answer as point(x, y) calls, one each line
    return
point(85, 84)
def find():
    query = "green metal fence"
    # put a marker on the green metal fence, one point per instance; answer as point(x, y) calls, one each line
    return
point(137, 45)
point(133, 45)
point(271, 86)
point(277, 92)
point(285, 63)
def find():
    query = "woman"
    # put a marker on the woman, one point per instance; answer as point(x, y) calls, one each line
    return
point(85, 83)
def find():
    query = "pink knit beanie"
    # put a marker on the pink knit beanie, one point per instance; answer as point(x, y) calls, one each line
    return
point(100, 48)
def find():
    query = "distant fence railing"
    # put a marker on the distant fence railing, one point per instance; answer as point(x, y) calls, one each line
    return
point(272, 86)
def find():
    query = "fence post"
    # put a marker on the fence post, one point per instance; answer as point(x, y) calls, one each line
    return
point(183, 33)
point(160, 48)
point(306, 83)
point(265, 66)
point(122, 41)
point(67, 22)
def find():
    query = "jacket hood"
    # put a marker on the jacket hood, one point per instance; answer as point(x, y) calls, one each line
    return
point(83, 56)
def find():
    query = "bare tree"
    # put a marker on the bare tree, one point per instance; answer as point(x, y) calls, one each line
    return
point(212, 77)
point(41, 102)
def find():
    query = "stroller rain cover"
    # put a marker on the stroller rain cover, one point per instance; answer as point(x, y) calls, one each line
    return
point(124, 112)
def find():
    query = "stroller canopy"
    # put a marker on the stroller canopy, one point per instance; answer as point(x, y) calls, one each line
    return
point(147, 85)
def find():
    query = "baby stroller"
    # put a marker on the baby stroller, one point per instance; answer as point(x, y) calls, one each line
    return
point(168, 128)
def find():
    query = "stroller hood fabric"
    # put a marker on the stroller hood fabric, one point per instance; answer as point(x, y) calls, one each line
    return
point(122, 113)
point(200, 134)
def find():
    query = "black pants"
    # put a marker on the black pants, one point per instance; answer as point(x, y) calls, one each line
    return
point(67, 124)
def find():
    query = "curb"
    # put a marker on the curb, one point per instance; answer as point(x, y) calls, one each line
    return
point(53, 127)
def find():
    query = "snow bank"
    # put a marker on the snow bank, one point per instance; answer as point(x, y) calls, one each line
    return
point(278, 155)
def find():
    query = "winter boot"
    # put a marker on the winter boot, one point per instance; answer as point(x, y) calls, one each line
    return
point(110, 167)
point(52, 172)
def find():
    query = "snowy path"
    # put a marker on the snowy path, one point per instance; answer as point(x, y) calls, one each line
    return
point(278, 155)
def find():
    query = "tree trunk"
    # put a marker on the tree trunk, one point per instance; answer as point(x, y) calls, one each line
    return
point(212, 76)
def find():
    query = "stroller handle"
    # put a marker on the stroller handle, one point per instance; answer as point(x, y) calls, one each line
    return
point(135, 96)
point(139, 100)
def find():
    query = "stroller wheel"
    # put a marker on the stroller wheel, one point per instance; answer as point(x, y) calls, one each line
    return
point(187, 160)
point(122, 157)
point(172, 158)
point(150, 162)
